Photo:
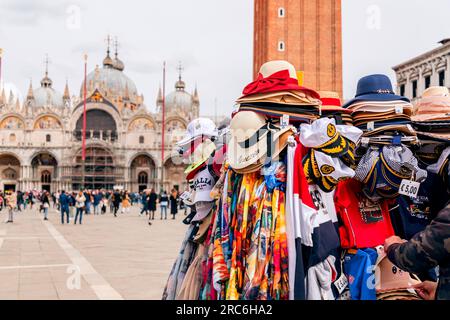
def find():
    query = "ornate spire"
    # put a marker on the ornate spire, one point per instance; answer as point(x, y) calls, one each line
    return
point(180, 85)
point(46, 82)
point(66, 91)
point(108, 62)
point(3, 96)
point(30, 95)
point(17, 105)
point(195, 96)
point(159, 99)
point(11, 98)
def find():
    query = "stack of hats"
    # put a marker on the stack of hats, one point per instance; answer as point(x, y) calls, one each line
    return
point(382, 170)
point(332, 108)
point(276, 93)
point(432, 116)
point(380, 113)
point(204, 159)
point(391, 282)
point(331, 156)
point(255, 141)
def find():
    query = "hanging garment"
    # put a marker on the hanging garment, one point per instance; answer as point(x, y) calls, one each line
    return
point(239, 224)
point(280, 261)
point(291, 229)
point(324, 234)
point(365, 223)
point(360, 270)
point(190, 289)
point(417, 213)
point(181, 265)
point(207, 290)
point(256, 257)
point(320, 278)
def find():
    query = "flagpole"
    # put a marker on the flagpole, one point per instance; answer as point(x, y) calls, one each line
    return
point(83, 143)
point(1, 54)
point(163, 125)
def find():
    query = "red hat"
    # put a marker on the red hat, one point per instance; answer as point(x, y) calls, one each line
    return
point(275, 76)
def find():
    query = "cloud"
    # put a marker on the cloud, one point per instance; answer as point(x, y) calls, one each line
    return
point(31, 13)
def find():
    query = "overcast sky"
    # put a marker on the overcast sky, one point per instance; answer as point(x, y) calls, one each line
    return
point(212, 38)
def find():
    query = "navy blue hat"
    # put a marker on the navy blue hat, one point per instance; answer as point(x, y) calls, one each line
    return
point(376, 87)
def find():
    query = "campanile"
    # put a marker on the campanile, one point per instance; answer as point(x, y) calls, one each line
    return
point(307, 33)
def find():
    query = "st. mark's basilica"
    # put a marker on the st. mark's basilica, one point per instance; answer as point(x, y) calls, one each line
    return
point(41, 138)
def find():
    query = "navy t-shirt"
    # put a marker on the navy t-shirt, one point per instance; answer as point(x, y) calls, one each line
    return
point(416, 214)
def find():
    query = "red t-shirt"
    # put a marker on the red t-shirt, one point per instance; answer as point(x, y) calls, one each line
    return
point(365, 224)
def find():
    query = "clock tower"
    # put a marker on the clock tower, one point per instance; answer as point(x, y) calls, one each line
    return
point(307, 33)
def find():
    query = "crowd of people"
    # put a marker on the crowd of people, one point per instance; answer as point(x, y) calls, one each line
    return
point(96, 202)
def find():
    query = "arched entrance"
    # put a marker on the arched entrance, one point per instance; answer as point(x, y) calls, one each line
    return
point(44, 170)
point(99, 170)
point(174, 176)
point(99, 125)
point(9, 172)
point(143, 173)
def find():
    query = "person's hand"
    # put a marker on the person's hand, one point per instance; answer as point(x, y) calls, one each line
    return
point(426, 290)
point(392, 240)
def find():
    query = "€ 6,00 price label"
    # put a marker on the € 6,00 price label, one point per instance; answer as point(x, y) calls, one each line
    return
point(409, 188)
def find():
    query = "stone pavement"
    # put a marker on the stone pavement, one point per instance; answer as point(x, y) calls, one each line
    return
point(104, 258)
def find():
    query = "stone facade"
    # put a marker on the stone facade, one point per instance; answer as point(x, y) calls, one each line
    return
point(429, 69)
point(306, 33)
point(41, 139)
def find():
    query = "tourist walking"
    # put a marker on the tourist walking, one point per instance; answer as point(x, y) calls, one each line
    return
point(11, 203)
point(1, 201)
point(97, 201)
point(144, 201)
point(173, 203)
point(163, 203)
point(126, 202)
point(80, 205)
point(19, 201)
point(45, 204)
point(64, 202)
point(152, 199)
point(116, 199)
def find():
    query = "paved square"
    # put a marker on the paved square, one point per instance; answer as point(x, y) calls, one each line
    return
point(104, 258)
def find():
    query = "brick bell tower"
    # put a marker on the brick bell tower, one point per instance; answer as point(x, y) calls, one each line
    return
point(307, 33)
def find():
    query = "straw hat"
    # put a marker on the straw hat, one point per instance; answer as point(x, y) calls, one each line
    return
point(252, 138)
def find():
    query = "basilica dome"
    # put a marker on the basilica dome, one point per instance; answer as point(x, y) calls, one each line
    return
point(45, 95)
point(111, 80)
point(180, 99)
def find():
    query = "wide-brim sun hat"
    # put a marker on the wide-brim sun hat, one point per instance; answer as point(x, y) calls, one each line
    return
point(292, 97)
point(277, 75)
point(252, 137)
point(434, 105)
point(279, 145)
point(375, 87)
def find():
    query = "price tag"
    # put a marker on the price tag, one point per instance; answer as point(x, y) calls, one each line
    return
point(371, 126)
point(284, 121)
point(341, 283)
point(399, 109)
point(409, 188)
